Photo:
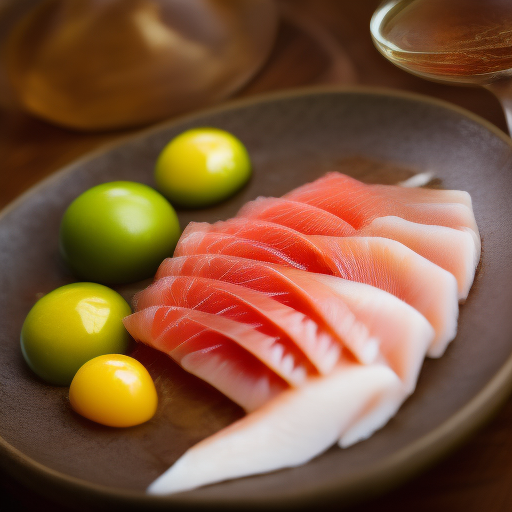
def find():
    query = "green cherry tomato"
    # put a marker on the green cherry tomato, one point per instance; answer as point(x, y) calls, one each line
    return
point(118, 232)
point(201, 167)
point(71, 325)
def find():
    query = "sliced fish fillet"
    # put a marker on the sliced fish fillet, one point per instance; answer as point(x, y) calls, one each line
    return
point(202, 241)
point(359, 204)
point(370, 322)
point(302, 217)
point(452, 249)
point(405, 335)
point(346, 406)
point(379, 268)
point(301, 293)
point(379, 262)
point(424, 195)
point(298, 341)
point(215, 350)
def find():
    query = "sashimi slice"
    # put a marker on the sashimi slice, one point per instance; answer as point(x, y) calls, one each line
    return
point(302, 217)
point(315, 301)
point(197, 239)
point(287, 244)
point(380, 262)
point(452, 249)
point(359, 204)
point(393, 267)
point(424, 195)
point(368, 320)
point(214, 354)
point(405, 334)
point(299, 424)
point(297, 339)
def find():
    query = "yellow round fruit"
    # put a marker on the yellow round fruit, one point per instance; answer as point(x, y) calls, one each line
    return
point(114, 390)
point(201, 167)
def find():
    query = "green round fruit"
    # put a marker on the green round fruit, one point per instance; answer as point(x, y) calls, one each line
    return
point(71, 325)
point(201, 167)
point(118, 232)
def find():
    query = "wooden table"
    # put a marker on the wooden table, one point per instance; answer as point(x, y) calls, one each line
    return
point(319, 41)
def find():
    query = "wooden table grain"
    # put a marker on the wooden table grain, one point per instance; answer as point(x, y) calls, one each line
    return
point(319, 42)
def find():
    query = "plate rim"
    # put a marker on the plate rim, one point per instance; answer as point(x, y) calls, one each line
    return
point(391, 471)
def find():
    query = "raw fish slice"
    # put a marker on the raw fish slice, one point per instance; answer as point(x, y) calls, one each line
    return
point(293, 248)
point(393, 267)
point(371, 321)
point(209, 354)
point(359, 204)
point(424, 195)
point(297, 340)
point(380, 262)
point(302, 217)
point(405, 334)
point(448, 215)
point(452, 249)
point(198, 240)
point(281, 357)
point(303, 295)
point(299, 424)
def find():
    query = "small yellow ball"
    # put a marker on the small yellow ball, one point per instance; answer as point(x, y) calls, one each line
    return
point(114, 390)
point(201, 167)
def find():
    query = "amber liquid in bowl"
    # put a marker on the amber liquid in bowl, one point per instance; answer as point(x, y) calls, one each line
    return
point(464, 41)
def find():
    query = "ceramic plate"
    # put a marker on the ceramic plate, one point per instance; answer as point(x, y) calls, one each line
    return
point(376, 136)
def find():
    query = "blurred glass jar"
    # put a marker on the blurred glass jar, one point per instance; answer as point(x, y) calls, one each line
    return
point(109, 64)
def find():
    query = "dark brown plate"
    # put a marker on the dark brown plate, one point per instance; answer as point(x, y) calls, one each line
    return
point(292, 138)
